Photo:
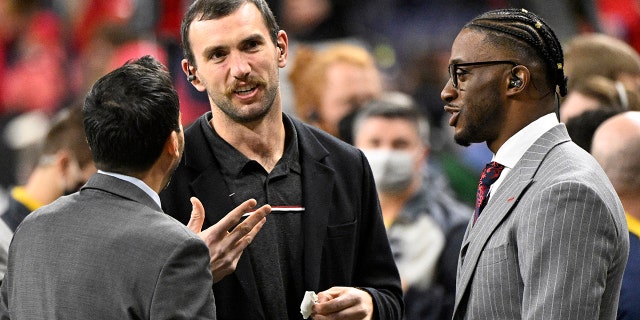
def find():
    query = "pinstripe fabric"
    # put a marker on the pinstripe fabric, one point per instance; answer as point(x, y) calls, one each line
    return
point(551, 243)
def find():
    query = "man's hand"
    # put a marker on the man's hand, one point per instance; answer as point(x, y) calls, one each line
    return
point(226, 247)
point(343, 303)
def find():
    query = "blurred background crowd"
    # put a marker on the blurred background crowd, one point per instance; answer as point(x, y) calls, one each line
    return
point(343, 54)
point(51, 51)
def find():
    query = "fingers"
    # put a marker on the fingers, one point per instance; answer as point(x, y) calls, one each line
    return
point(228, 246)
point(332, 293)
point(247, 230)
point(219, 234)
point(343, 303)
point(197, 215)
point(232, 218)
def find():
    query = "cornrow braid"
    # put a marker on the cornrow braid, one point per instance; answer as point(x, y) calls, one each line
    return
point(533, 31)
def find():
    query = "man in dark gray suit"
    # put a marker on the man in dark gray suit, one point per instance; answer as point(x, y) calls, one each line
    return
point(108, 251)
point(551, 241)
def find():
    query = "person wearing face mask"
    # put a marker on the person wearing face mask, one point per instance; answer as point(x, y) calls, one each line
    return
point(424, 222)
point(63, 166)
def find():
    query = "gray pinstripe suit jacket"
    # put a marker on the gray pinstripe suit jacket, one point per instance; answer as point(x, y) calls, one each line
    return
point(552, 242)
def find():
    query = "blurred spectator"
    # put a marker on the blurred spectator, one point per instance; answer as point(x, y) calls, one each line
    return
point(21, 134)
point(616, 145)
point(144, 26)
point(64, 165)
point(104, 34)
point(33, 58)
point(93, 29)
point(137, 16)
point(582, 127)
point(90, 63)
point(566, 17)
point(318, 20)
point(601, 55)
point(135, 49)
point(424, 223)
point(621, 19)
point(192, 102)
point(598, 92)
point(332, 82)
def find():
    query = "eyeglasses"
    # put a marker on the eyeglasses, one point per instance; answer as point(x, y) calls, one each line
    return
point(453, 68)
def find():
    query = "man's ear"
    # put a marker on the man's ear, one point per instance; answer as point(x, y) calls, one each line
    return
point(62, 160)
point(190, 72)
point(282, 43)
point(518, 80)
point(172, 145)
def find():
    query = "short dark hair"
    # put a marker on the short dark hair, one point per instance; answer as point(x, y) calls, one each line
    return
point(533, 38)
point(67, 132)
point(394, 107)
point(214, 9)
point(582, 127)
point(129, 114)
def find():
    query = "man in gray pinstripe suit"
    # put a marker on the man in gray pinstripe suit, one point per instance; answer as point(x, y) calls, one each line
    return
point(551, 242)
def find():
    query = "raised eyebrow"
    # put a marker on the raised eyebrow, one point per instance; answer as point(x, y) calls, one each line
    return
point(254, 38)
point(210, 50)
point(207, 52)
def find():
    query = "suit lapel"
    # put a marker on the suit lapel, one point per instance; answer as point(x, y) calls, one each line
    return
point(317, 199)
point(209, 186)
point(477, 236)
point(500, 205)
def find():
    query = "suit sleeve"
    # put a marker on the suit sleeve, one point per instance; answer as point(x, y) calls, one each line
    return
point(4, 301)
point(568, 245)
point(183, 289)
point(377, 273)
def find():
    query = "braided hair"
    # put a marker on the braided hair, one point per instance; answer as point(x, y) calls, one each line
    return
point(532, 33)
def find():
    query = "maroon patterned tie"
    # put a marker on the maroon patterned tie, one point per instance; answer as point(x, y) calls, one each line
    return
point(490, 174)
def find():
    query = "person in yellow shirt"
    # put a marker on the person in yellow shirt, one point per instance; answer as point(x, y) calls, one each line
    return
point(64, 165)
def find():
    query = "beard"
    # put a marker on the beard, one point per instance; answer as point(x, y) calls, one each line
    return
point(481, 122)
point(468, 134)
point(224, 103)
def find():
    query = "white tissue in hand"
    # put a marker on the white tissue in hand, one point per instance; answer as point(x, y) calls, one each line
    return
point(310, 298)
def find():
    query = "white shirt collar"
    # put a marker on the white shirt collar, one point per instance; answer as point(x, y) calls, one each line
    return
point(514, 148)
point(139, 183)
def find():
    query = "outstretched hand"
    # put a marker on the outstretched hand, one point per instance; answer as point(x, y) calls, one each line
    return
point(226, 247)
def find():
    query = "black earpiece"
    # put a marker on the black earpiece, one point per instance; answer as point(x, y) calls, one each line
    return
point(281, 50)
point(515, 82)
point(190, 76)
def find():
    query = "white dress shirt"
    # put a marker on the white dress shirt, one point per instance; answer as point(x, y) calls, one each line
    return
point(514, 148)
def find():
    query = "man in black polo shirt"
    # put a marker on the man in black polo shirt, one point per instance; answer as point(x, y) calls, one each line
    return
point(325, 233)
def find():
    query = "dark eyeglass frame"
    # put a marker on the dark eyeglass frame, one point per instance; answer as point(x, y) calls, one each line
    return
point(453, 75)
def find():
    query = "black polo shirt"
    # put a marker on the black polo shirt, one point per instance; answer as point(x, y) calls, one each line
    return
point(276, 252)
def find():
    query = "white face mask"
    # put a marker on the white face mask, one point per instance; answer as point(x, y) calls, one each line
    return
point(392, 169)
